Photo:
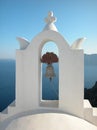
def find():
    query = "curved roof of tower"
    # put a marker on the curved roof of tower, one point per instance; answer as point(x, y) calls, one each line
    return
point(50, 121)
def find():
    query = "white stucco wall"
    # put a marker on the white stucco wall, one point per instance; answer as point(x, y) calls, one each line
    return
point(71, 82)
point(28, 74)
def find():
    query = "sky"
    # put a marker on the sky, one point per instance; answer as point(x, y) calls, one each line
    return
point(25, 18)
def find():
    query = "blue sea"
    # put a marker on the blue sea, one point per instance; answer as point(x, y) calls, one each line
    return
point(7, 82)
point(49, 88)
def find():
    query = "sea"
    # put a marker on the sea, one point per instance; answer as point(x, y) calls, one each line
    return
point(7, 83)
point(49, 86)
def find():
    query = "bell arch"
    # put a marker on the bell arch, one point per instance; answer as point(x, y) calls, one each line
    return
point(35, 48)
point(47, 36)
point(49, 72)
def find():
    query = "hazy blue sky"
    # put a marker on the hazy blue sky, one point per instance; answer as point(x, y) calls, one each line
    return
point(25, 18)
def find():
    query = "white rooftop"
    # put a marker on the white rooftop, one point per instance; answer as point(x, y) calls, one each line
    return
point(50, 121)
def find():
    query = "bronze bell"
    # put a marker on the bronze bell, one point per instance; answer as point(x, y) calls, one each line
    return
point(50, 72)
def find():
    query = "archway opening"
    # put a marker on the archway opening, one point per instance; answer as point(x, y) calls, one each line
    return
point(49, 75)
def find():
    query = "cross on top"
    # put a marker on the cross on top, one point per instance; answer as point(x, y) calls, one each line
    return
point(50, 18)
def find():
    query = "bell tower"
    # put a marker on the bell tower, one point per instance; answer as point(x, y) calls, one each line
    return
point(71, 71)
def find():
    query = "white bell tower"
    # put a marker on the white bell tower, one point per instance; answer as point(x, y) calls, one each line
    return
point(71, 71)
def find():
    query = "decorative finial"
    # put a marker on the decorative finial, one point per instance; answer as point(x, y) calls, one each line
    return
point(50, 20)
point(77, 43)
point(23, 43)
